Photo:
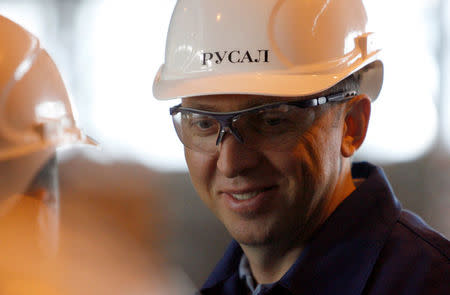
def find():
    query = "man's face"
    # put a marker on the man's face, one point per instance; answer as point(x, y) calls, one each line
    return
point(287, 194)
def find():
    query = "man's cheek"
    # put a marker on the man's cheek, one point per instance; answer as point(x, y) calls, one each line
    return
point(201, 172)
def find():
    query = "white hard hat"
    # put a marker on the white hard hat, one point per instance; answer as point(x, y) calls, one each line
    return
point(266, 47)
point(36, 115)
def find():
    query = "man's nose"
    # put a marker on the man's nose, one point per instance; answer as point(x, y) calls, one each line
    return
point(235, 158)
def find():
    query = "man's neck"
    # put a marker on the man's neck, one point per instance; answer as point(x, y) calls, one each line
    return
point(269, 264)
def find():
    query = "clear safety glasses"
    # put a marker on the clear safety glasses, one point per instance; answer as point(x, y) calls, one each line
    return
point(275, 126)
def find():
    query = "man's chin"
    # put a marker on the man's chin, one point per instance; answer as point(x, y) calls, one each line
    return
point(254, 239)
point(254, 232)
point(254, 243)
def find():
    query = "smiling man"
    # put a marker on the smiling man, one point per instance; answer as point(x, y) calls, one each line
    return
point(276, 99)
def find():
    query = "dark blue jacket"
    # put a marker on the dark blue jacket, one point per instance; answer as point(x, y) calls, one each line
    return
point(369, 245)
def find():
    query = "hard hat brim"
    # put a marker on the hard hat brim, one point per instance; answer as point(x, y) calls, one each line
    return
point(269, 84)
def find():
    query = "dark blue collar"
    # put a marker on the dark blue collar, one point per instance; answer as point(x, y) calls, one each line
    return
point(341, 254)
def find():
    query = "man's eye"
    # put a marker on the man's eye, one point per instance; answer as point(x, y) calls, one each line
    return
point(272, 121)
point(203, 124)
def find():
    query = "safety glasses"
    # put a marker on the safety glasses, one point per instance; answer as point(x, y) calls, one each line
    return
point(275, 126)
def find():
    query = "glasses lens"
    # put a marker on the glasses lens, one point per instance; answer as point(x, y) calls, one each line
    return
point(279, 128)
point(196, 131)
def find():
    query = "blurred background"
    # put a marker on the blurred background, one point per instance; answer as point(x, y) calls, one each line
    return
point(109, 51)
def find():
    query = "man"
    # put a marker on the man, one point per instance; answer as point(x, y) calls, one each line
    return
point(276, 99)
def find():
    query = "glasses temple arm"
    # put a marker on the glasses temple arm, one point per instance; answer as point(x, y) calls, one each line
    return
point(339, 96)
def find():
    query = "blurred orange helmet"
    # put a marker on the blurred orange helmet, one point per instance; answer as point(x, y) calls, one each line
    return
point(36, 115)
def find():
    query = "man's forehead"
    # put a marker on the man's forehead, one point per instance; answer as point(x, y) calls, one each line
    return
point(231, 102)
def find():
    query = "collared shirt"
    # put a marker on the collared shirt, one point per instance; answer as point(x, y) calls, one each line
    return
point(369, 245)
point(245, 274)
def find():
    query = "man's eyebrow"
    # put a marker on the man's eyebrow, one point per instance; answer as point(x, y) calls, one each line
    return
point(252, 102)
point(200, 106)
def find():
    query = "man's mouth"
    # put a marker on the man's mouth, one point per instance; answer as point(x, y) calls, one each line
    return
point(247, 195)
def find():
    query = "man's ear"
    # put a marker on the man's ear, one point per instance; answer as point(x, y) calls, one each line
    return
point(357, 115)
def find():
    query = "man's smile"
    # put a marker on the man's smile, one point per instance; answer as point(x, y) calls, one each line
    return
point(250, 201)
point(245, 194)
